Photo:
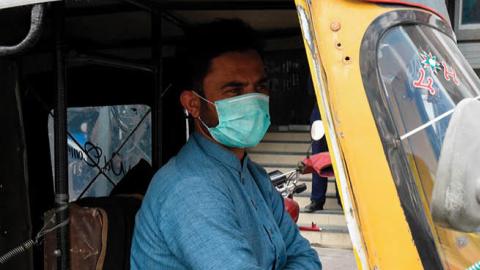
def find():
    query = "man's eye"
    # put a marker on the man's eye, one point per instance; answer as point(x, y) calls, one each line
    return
point(234, 91)
point(263, 88)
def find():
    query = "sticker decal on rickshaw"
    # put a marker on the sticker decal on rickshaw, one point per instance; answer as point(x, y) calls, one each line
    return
point(421, 83)
point(430, 62)
point(450, 74)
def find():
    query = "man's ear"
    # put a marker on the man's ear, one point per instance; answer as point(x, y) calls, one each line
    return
point(190, 102)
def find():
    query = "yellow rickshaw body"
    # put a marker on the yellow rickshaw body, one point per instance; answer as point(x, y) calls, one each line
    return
point(382, 239)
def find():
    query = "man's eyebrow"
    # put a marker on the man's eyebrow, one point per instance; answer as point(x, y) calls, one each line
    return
point(233, 84)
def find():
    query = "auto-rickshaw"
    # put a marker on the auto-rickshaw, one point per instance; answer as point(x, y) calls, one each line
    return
point(387, 74)
point(382, 73)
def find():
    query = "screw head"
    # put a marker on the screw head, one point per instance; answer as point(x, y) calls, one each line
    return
point(335, 26)
point(462, 241)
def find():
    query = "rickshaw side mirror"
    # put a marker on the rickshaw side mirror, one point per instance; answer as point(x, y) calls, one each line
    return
point(317, 132)
point(456, 192)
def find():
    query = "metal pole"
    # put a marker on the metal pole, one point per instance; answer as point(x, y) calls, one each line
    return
point(61, 173)
point(157, 115)
point(107, 61)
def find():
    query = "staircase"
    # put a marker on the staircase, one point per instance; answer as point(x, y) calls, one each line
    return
point(282, 151)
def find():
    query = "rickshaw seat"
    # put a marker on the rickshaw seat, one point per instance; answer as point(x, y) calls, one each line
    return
point(101, 228)
point(101, 231)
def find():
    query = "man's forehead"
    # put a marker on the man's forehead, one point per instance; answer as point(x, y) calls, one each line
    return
point(237, 64)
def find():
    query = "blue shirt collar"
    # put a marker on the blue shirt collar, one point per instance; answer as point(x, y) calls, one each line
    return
point(220, 153)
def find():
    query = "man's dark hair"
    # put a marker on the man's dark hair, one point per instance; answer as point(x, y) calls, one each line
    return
point(210, 40)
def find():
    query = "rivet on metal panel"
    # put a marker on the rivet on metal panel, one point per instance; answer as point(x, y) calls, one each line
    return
point(396, 143)
point(338, 45)
point(335, 26)
point(462, 241)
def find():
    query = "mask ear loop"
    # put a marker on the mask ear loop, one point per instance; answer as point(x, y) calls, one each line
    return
point(200, 118)
point(198, 95)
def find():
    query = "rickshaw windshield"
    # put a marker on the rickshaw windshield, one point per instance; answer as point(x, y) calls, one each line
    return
point(424, 76)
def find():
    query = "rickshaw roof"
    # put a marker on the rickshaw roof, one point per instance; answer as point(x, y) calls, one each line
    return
point(94, 24)
point(275, 19)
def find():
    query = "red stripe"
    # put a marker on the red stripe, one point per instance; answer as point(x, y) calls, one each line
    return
point(412, 5)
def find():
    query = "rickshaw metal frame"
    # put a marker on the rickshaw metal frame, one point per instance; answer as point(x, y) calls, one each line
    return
point(318, 73)
point(60, 141)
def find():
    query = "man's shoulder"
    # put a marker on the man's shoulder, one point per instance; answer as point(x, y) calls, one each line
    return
point(180, 176)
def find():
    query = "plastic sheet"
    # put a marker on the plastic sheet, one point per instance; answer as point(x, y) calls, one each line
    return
point(103, 144)
point(429, 78)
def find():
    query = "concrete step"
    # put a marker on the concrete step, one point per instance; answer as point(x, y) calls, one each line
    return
point(282, 151)
point(279, 147)
point(287, 137)
point(290, 160)
point(306, 194)
point(337, 258)
point(290, 128)
point(330, 203)
point(334, 232)
point(329, 237)
point(324, 217)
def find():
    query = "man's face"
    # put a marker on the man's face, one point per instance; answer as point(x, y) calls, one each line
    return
point(232, 74)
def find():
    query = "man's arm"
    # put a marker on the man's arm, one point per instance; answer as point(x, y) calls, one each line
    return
point(201, 230)
point(300, 255)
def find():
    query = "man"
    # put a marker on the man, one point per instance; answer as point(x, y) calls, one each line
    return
point(319, 184)
point(211, 207)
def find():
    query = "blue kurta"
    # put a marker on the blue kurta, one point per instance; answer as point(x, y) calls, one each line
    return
point(206, 210)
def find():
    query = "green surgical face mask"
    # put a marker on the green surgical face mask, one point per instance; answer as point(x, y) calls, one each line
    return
point(242, 120)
